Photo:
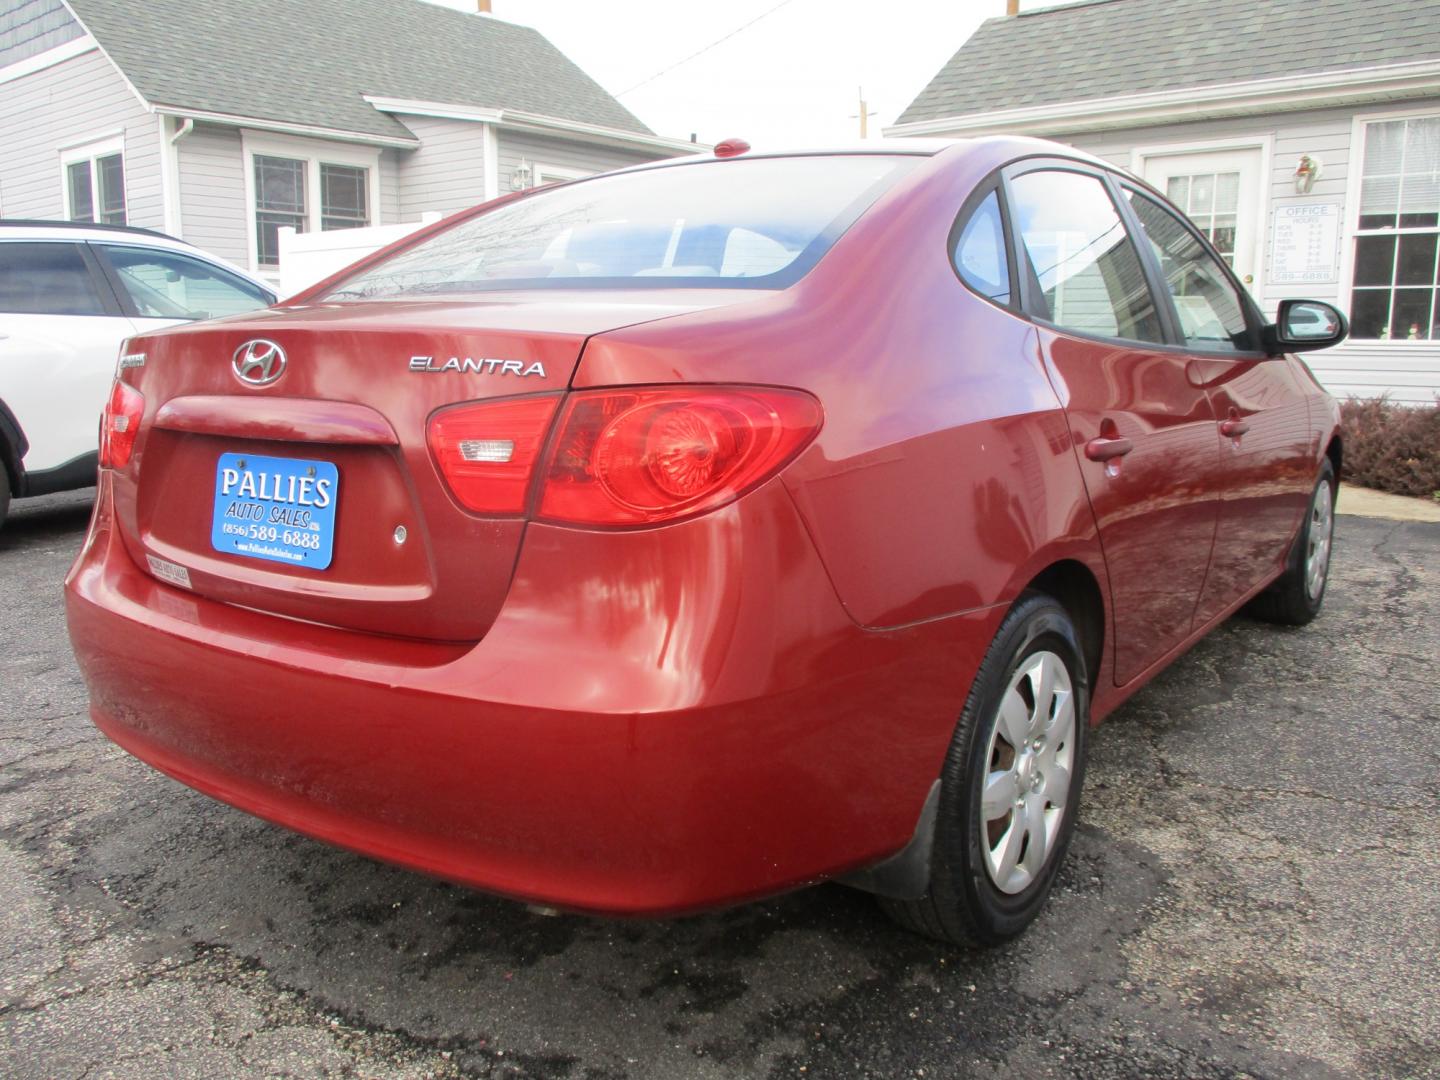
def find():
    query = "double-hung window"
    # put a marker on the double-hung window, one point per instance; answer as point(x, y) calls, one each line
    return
point(301, 188)
point(1397, 242)
point(95, 184)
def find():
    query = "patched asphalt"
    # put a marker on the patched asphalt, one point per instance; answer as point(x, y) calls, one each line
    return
point(1254, 890)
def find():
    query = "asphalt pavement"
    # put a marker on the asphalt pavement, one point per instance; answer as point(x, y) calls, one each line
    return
point(1254, 890)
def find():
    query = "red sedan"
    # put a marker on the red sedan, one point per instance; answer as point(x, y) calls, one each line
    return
point(691, 533)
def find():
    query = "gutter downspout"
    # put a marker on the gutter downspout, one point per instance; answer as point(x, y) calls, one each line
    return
point(170, 177)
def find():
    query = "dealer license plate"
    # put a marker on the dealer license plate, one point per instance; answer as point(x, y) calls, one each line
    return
point(281, 509)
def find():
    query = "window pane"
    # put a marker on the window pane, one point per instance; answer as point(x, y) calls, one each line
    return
point(1416, 265)
point(1088, 269)
point(1410, 318)
point(1178, 191)
point(279, 200)
point(111, 171)
point(82, 203)
point(1374, 260)
point(980, 252)
point(343, 197)
point(46, 279)
point(1370, 313)
point(280, 184)
point(757, 222)
point(165, 285)
point(1210, 310)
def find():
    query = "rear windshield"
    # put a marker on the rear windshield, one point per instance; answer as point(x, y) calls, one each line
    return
point(760, 223)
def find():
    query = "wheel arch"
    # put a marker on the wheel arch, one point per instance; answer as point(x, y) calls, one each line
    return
point(1335, 451)
point(1074, 587)
point(13, 448)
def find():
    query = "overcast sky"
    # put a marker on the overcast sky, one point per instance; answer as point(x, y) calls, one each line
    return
point(792, 78)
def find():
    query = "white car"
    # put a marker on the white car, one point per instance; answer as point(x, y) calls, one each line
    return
point(70, 293)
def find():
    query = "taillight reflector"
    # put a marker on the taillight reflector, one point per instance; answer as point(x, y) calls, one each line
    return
point(119, 425)
point(487, 450)
point(644, 455)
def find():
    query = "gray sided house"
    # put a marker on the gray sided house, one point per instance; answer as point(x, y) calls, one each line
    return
point(221, 122)
point(1302, 135)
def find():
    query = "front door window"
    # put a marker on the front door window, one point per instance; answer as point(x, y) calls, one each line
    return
point(1221, 192)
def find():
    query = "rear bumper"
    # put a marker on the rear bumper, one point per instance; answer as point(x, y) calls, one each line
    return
point(642, 731)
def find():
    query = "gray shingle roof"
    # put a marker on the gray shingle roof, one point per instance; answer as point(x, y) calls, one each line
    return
point(310, 62)
point(1109, 48)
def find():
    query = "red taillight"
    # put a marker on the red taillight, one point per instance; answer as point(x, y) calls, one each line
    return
point(119, 425)
point(487, 450)
point(643, 455)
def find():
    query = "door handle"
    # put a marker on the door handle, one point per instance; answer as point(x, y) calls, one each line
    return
point(1234, 427)
point(1103, 449)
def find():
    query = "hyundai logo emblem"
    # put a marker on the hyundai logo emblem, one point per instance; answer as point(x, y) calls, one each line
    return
point(258, 362)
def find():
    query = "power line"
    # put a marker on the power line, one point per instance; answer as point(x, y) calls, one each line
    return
point(707, 48)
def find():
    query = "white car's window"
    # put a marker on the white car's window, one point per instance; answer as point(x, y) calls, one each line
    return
point(1211, 316)
point(47, 279)
point(168, 285)
point(1088, 268)
point(759, 222)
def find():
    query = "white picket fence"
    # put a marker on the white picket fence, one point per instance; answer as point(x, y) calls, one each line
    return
point(306, 258)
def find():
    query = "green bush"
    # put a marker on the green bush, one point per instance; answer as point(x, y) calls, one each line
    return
point(1392, 447)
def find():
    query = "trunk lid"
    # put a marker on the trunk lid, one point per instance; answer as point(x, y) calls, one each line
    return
point(358, 386)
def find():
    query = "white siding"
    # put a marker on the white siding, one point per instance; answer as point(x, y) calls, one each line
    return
point(447, 172)
point(212, 192)
point(563, 153)
point(76, 101)
point(1407, 371)
point(390, 186)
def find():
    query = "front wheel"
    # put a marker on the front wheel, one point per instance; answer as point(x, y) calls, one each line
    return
point(1010, 784)
point(1298, 593)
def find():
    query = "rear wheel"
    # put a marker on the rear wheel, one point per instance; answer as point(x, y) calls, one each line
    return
point(4, 494)
point(1297, 595)
point(1010, 784)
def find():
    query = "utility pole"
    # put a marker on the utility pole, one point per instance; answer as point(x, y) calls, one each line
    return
point(863, 115)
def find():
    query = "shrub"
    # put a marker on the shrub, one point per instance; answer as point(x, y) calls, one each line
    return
point(1392, 447)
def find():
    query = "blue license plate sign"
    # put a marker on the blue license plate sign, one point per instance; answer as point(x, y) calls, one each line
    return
point(281, 509)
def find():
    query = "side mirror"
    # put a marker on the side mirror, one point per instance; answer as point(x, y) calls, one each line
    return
point(1305, 324)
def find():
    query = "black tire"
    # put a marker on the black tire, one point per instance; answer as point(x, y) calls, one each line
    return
point(963, 904)
point(4, 494)
point(1293, 600)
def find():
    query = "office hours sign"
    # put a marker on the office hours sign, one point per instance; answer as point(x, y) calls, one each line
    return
point(1304, 244)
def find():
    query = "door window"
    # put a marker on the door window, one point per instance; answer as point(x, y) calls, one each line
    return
point(1089, 273)
point(1211, 314)
point(980, 252)
point(47, 279)
point(168, 285)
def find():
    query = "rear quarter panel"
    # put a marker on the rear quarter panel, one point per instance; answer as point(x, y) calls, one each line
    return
point(944, 478)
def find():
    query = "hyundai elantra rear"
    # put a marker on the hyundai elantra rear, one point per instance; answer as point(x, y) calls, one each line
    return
point(641, 544)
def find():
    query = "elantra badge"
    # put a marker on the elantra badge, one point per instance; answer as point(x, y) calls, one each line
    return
point(258, 362)
point(477, 366)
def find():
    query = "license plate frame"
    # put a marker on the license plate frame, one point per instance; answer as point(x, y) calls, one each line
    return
point(277, 509)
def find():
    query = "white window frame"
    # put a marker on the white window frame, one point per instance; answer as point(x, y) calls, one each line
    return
point(314, 152)
point(92, 150)
point(540, 173)
point(1353, 179)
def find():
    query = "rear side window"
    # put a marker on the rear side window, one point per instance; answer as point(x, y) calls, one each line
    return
point(168, 285)
point(47, 279)
point(1089, 272)
point(1211, 316)
point(758, 223)
point(980, 252)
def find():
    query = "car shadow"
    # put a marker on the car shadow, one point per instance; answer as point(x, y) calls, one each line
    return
point(46, 518)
